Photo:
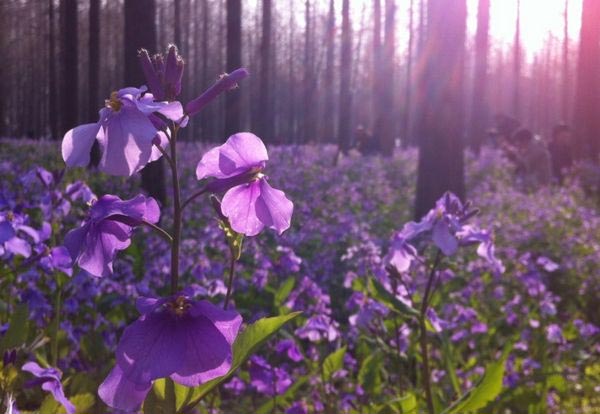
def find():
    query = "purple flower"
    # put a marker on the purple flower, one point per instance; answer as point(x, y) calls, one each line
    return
point(554, 334)
point(177, 337)
point(15, 235)
point(125, 132)
point(164, 79)
point(249, 203)
point(108, 229)
point(289, 347)
point(266, 379)
point(49, 378)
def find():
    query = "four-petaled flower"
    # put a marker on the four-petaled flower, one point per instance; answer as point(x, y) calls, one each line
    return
point(49, 379)
point(249, 203)
point(189, 341)
point(107, 229)
point(126, 132)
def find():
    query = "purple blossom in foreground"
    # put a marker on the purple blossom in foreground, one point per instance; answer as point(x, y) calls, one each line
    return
point(126, 132)
point(249, 203)
point(49, 379)
point(107, 229)
point(177, 337)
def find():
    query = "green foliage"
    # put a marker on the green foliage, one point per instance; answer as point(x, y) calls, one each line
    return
point(333, 363)
point(17, 330)
point(370, 375)
point(485, 391)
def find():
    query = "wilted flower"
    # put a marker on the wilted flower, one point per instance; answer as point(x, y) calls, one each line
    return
point(49, 379)
point(249, 203)
point(126, 132)
point(108, 229)
point(177, 337)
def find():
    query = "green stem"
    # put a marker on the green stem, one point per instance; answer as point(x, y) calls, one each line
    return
point(426, 372)
point(176, 213)
point(54, 343)
point(230, 281)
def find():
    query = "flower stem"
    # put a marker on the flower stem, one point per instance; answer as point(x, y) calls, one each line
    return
point(176, 212)
point(193, 197)
point(56, 328)
point(426, 372)
point(230, 281)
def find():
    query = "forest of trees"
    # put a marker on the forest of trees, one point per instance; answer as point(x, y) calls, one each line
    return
point(319, 69)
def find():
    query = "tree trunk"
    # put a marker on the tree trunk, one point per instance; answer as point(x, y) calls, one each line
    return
point(406, 118)
point(309, 81)
point(479, 108)
point(587, 102)
point(233, 103)
point(94, 60)
point(565, 67)
point(265, 114)
point(345, 110)
point(52, 98)
point(328, 124)
point(384, 124)
point(141, 14)
point(516, 101)
point(70, 64)
point(441, 119)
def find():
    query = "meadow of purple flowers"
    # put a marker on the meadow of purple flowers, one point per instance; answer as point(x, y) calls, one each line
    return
point(114, 303)
point(522, 334)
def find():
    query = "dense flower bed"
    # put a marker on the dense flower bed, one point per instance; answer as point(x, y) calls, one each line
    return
point(352, 350)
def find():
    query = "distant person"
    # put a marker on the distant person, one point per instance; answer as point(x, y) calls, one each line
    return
point(531, 158)
point(506, 126)
point(561, 151)
point(365, 142)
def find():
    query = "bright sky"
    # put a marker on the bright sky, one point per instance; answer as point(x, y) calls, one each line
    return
point(539, 19)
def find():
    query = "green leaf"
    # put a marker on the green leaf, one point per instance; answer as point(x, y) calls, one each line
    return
point(284, 291)
point(448, 357)
point(244, 346)
point(488, 388)
point(83, 402)
point(381, 294)
point(370, 373)
point(16, 335)
point(333, 363)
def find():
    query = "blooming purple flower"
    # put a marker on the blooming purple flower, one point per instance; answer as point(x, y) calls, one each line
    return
point(177, 337)
point(554, 334)
point(108, 229)
point(49, 379)
point(266, 379)
point(126, 132)
point(249, 203)
point(16, 236)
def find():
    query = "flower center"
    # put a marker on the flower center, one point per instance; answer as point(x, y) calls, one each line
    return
point(114, 102)
point(179, 307)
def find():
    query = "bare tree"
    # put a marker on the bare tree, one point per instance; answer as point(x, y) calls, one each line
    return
point(587, 102)
point(440, 124)
point(565, 66)
point(69, 65)
point(516, 101)
point(94, 59)
point(479, 108)
point(345, 110)
point(52, 94)
point(234, 60)
point(329, 104)
point(265, 124)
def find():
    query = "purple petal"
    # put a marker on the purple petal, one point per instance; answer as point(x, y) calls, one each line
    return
point(35, 369)
point(101, 245)
point(207, 353)
point(152, 347)
point(273, 208)
point(227, 322)
point(18, 246)
point(127, 142)
point(152, 213)
point(171, 110)
point(241, 152)
point(444, 239)
point(146, 305)
point(118, 392)
point(77, 144)
point(239, 206)
point(55, 388)
point(160, 140)
point(7, 231)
